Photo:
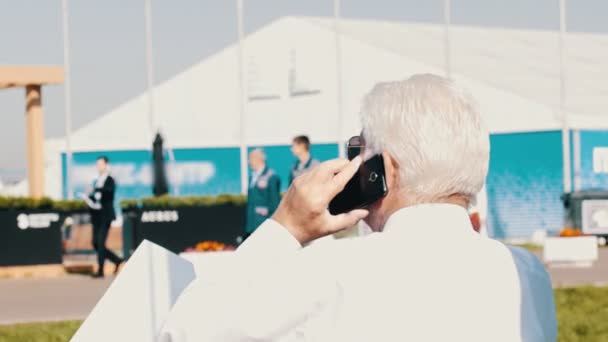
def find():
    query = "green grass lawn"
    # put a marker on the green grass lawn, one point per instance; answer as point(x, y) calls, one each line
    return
point(582, 314)
point(39, 332)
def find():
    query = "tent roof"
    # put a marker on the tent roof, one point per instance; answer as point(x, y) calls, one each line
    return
point(523, 62)
point(291, 83)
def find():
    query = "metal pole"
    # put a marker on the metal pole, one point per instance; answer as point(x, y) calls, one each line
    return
point(150, 86)
point(339, 90)
point(242, 94)
point(149, 66)
point(576, 150)
point(562, 99)
point(447, 13)
point(67, 96)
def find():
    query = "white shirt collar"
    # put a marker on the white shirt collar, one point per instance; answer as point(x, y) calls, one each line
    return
point(101, 179)
point(255, 175)
point(438, 219)
point(259, 171)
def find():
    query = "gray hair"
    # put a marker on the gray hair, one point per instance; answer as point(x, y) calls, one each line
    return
point(257, 152)
point(434, 131)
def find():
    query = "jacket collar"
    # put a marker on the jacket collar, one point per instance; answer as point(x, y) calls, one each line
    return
point(431, 220)
point(306, 165)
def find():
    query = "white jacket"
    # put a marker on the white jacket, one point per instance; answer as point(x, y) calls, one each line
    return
point(427, 277)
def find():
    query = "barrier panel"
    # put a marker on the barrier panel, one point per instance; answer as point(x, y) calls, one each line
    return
point(30, 237)
point(178, 228)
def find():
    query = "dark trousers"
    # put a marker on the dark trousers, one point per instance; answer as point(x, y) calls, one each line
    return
point(101, 227)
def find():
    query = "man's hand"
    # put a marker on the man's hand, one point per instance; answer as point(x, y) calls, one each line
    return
point(303, 210)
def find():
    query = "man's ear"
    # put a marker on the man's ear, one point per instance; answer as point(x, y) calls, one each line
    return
point(391, 169)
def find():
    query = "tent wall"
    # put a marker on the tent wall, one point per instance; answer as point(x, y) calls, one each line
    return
point(525, 184)
point(197, 171)
point(525, 179)
point(594, 160)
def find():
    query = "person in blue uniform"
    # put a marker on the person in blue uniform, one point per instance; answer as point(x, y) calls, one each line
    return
point(263, 196)
point(300, 147)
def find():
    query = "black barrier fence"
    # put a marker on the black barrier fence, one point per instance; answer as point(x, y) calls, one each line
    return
point(179, 228)
point(30, 237)
point(34, 236)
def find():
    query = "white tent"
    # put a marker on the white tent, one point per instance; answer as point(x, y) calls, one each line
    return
point(523, 62)
point(291, 83)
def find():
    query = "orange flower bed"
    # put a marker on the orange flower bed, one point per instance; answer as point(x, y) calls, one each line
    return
point(210, 246)
point(570, 232)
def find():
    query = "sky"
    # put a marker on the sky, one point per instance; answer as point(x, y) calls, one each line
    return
point(107, 43)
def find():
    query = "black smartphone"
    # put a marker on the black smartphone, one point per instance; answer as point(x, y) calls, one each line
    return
point(366, 187)
point(354, 147)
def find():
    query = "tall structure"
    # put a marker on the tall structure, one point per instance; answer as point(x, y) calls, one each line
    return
point(32, 78)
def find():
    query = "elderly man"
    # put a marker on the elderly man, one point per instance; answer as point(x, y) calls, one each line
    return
point(424, 275)
point(263, 195)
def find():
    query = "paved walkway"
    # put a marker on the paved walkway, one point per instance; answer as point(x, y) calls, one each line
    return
point(73, 297)
point(569, 276)
point(51, 299)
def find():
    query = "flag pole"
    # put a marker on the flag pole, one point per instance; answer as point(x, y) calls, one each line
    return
point(562, 99)
point(149, 67)
point(447, 17)
point(241, 94)
point(339, 81)
point(150, 87)
point(67, 95)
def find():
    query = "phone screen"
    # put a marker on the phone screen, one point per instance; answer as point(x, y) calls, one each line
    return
point(366, 187)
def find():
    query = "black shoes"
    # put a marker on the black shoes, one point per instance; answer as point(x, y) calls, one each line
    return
point(117, 267)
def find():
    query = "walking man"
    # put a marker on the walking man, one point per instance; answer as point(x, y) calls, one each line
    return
point(101, 206)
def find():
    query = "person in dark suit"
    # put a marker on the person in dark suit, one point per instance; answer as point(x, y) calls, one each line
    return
point(300, 147)
point(101, 206)
point(263, 196)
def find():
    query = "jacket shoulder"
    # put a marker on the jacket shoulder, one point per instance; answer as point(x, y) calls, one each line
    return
point(272, 174)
